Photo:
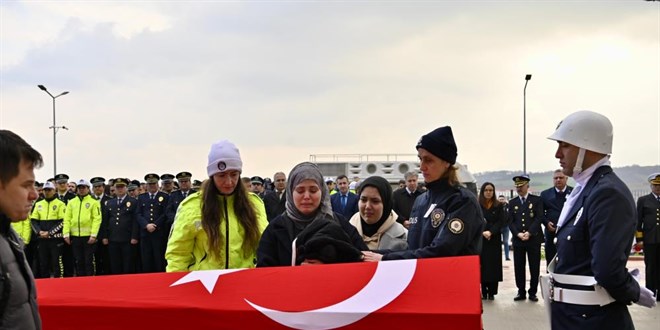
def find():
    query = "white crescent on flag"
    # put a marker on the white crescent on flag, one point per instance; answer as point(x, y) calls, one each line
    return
point(389, 281)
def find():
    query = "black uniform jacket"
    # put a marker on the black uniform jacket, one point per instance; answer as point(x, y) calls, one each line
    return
point(120, 223)
point(445, 221)
point(526, 218)
point(648, 218)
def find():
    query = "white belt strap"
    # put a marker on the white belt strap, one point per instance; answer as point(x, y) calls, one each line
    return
point(599, 296)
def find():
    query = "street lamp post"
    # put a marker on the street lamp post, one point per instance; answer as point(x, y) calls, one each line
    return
point(527, 78)
point(54, 127)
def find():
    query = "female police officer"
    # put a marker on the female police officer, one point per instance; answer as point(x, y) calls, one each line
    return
point(447, 219)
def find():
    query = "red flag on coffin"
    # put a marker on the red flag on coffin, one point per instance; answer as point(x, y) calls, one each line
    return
point(393, 294)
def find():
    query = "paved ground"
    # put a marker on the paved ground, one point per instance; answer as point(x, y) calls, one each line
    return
point(504, 313)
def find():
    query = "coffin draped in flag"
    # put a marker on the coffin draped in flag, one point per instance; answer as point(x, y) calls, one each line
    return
point(419, 294)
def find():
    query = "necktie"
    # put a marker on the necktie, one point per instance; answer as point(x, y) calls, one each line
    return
point(185, 194)
point(522, 199)
point(279, 195)
point(343, 201)
point(151, 196)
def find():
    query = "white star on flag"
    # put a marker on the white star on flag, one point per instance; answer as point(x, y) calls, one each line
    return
point(208, 277)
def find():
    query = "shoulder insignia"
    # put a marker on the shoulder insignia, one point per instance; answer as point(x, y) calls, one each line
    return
point(456, 226)
point(437, 216)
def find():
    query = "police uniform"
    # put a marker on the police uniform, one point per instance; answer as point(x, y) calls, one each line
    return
point(67, 252)
point(151, 210)
point(446, 220)
point(101, 254)
point(175, 199)
point(47, 216)
point(553, 201)
point(119, 228)
point(82, 221)
point(526, 217)
point(648, 231)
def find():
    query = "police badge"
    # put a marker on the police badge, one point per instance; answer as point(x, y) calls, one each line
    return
point(437, 216)
point(86, 205)
point(54, 207)
point(456, 226)
point(160, 199)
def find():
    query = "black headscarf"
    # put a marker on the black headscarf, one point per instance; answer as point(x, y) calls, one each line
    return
point(385, 190)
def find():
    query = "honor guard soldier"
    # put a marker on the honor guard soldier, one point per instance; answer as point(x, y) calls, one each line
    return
point(102, 259)
point(168, 183)
point(648, 233)
point(82, 221)
point(177, 197)
point(62, 193)
point(526, 216)
point(151, 219)
point(120, 228)
point(47, 218)
point(590, 287)
point(62, 189)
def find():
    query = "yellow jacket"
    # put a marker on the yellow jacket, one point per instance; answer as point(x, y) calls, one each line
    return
point(82, 217)
point(23, 229)
point(187, 247)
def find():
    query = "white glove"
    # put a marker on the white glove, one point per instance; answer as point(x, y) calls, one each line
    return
point(646, 298)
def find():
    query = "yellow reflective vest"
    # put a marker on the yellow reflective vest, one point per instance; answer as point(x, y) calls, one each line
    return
point(82, 217)
point(23, 229)
point(187, 247)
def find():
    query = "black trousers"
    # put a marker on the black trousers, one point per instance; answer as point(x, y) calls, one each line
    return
point(50, 257)
point(83, 254)
point(67, 260)
point(533, 253)
point(651, 262)
point(550, 248)
point(489, 288)
point(121, 261)
point(102, 260)
point(153, 252)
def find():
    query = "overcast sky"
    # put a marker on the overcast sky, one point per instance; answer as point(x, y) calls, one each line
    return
point(153, 84)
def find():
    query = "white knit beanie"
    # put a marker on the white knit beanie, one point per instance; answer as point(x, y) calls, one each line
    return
point(224, 156)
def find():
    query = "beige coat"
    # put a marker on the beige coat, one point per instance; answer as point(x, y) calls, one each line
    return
point(390, 236)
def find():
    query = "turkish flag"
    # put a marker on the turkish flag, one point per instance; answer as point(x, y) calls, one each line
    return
point(419, 294)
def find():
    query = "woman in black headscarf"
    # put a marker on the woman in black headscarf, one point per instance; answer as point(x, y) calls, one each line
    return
point(307, 201)
point(375, 221)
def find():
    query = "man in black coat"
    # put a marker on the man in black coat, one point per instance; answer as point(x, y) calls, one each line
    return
point(648, 233)
point(275, 202)
point(591, 287)
point(403, 198)
point(553, 201)
point(151, 220)
point(176, 197)
point(526, 216)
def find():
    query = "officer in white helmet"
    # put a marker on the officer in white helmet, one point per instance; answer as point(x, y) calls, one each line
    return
point(591, 287)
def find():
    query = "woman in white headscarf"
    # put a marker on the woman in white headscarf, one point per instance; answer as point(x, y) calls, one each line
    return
point(307, 201)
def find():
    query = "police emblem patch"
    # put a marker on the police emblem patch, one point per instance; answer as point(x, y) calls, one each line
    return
point(198, 225)
point(54, 207)
point(456, 226)
point(86, 205)
point(222, 166)
point(437, 216)
point(160, 199)
point(39, 207)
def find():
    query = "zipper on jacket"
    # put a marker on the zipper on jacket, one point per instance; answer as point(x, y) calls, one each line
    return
point(226, 235)
point(79, 211)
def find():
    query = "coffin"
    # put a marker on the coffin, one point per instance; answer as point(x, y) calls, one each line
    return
point(407, 294)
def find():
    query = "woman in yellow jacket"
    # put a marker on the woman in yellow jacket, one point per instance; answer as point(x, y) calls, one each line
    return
point(218, 227)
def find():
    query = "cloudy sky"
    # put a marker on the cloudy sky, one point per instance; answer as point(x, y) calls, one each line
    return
point(153, 84)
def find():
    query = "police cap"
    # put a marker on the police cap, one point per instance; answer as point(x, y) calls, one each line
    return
point(97, 181)
point(151, 178)
point(520, 180)
point(167, 178)
point(61, 178)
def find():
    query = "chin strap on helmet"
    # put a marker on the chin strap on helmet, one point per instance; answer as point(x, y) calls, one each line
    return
point(578, 163)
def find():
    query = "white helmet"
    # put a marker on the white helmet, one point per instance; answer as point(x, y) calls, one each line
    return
point(587, 130)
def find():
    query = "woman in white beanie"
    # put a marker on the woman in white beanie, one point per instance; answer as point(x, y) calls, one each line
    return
point(218, 227)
